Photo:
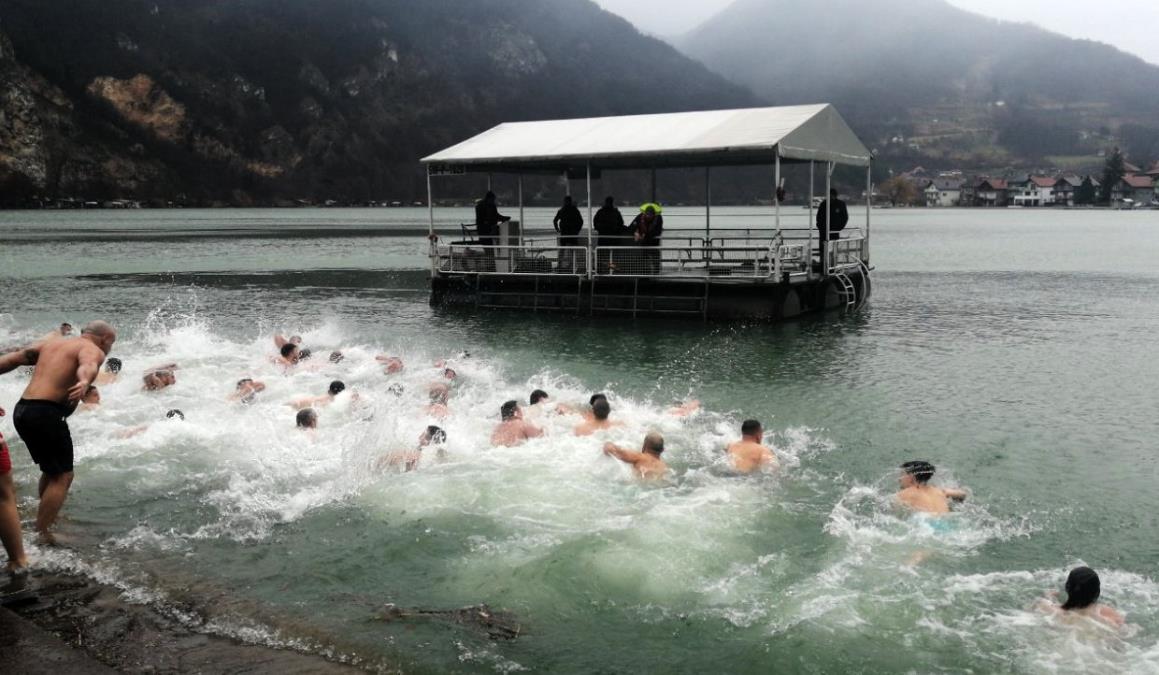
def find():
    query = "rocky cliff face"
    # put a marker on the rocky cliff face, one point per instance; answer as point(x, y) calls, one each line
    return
point(275, 100)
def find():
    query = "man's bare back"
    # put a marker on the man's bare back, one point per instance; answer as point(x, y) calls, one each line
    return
point(748, 456)
point(929, 499)
point(514, 432)
point(646, 464)
point(65, 367)
point(591, 426)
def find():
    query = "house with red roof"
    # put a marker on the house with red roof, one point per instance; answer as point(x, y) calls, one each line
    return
point(1133, 190)
point(991, 192)
point(1036, 191)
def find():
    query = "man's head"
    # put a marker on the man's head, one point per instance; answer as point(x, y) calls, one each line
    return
point(489, 198)
point(295, 339)
point(175, 414)
point(113, 365)
point(601, 409)
point(244, 383)
point(1083, 588)
point(290, 351)
point(450, 373)
point(92, 396)
point(596, 397)
point(510, 411)
point(752, 429)
point(649, 213)
point(304, 354)
point(567, 201)
point(538, 395)
point(393, 365)
point(101, 334)
point(654, 443)
point(439, 394)
point(432, 435)
point(833, 193)
point(396, 388)
point(336, 357)
point(336, 387)
point(307, 419)
point(609, 202)
point(917, 472)
point(66, 329)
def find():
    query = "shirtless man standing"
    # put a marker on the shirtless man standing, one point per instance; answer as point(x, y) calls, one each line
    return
point(748, 454)
point(513, 430)
point(647, 463)
point(65, 369)
point(919, 495)
point(599, 420)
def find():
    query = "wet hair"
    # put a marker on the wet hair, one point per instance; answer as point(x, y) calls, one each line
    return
point(396, 388)
point(336, 357)
point(175, 413)
point(244, 381)
point(113, 365)
point(596, 397)
point(306, 418)
point(1082, 588)
point(921, 471)
point(654, 442)
point(337, 387)
point(601, 409)
point(436, 434)
point(288, 349)
point(537, 396)
point(750, 427)
point(62, 325)
point(507, 410)
point(304, 354)
point(450, 373)
point(439, 394)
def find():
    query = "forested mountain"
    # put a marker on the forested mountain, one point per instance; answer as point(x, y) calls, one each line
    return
point(241, 101)
point(922, 77)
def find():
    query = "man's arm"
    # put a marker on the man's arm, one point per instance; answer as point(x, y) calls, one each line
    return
point(167, 366)
point(21, 357)
point(89, 362)
point(531, 431)
point(627, 456)
point(955, 494)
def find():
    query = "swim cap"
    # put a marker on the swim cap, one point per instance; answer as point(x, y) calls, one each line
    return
point(921, 470)
point(113, 365)
point(337, 387)
point(175, 413)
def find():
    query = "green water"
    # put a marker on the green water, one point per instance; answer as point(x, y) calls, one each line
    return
point(1012, 349)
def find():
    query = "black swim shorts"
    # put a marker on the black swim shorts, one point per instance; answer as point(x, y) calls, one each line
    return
point(43, 427)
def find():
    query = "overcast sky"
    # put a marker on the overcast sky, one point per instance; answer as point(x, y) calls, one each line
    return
point(1130, 25)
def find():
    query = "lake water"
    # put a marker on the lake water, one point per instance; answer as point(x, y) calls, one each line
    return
point(1014, 349)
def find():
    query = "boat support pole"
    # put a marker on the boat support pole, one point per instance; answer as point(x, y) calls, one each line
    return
point(809, 225)
point(828, 214)
point(522, 223)
point(590, 254)
point(431, 225)
point(707, 206)
point(777, 191)
point(868, 207)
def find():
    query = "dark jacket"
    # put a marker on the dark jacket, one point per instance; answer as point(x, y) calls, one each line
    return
point(609, 222)
point(487, 218)
point(838, 218)
point(568, 221)
point(651, 235)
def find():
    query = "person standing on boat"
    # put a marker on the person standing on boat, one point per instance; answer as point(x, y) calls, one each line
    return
point(609, 225)
point(568, 222)
point(838, 217)
point(487, 219)
point(647, 229)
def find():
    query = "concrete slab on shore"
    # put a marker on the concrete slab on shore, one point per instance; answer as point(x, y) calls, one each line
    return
point(26, 648)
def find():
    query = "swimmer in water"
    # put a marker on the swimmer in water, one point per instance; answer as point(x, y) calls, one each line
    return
point(174, 415)
point(396, 389)
point(247, 390)
point(288, 355)
point(684, 409)
point(599, 421)
point(91, 400)
point(307, 419)
point(539, 396)
point(336, 357)
point(450, 374)
point(390, 364)
point(1082, 599)
point(647, 463)
point(336, 387)
point(111, 372)
point(159, 379)
point(409, 459)
point(280, 341)
point(440, 394)
point(513, 430)
point(749, 454)
point(917, 494)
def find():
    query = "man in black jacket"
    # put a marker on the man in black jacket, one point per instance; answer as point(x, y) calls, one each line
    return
point(609, 224)
point(487, 219)
point(568, 222)
point(838, 217)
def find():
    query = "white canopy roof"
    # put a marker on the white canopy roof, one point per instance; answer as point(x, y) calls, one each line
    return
point(707, 138)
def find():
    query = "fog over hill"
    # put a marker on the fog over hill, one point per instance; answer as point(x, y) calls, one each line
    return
point(257, 100)
point(938, 80)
